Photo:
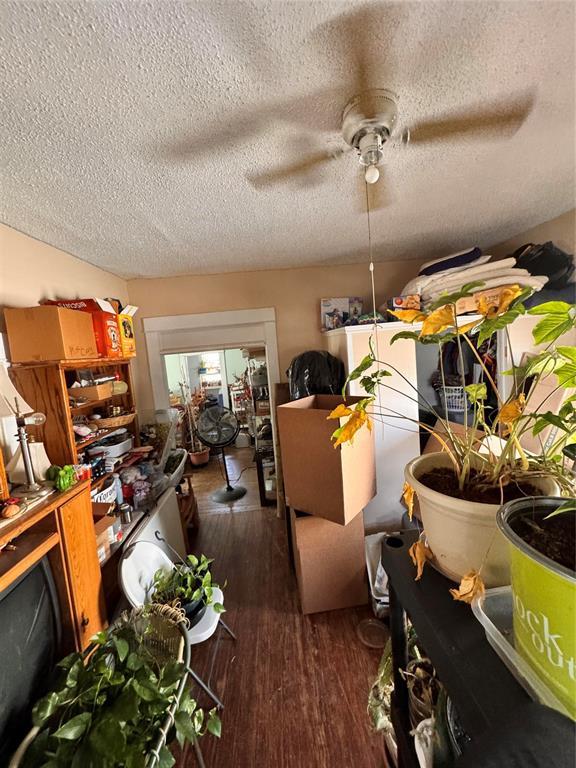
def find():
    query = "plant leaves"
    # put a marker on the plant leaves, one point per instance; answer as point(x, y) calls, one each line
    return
point(355, 421)
point(476, 392)
point(506, 297)
point(340, 412)
point(468, 289)
point(107, 737)
point(219, 608)
point(45, 708)
point(407, 315)
point(437, 321)
point(512, 410)
point(489, 326)
point(74, 728)
point(568, 352)
point(566, 375)
point(419, 553)
point(567, 506)
point(122, 647)
point(126, 706)
point(362, 366)
point(214, 724)
point(551, 307)
point(470, 587)
point(408, 496)
point(165, 758)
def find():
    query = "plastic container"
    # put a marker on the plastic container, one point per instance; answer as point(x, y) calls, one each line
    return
point(495, 612)
point(175, 478)
point(377, 576)
point(107, 494)
point(544, 600)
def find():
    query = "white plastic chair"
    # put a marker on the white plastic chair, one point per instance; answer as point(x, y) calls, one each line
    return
point(138, 564)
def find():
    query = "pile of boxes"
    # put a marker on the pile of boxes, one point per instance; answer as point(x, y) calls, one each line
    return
point(77, 329)
point(326, 489)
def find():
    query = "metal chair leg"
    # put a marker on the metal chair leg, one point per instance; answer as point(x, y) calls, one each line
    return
point(206, 688)
point(227, 628)
point(199, 756)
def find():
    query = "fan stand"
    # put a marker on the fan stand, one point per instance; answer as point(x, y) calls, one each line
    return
point(225, 495)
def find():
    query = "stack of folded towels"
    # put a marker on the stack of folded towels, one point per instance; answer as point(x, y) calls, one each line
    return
point(450, 273)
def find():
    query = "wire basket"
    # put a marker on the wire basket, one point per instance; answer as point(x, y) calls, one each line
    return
point(453, 398)
point(113, 422)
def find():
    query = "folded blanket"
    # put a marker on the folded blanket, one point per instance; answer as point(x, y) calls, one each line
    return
point(420, 283)
point(475, 274)
point(454, 261)
point(524, 281)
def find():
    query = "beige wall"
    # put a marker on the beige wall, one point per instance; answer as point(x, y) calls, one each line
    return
point(294, 293)
point(31, 271)
point(561, 230)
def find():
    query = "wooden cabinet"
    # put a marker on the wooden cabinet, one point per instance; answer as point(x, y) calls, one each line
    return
point(62, 529)
point(83, 575)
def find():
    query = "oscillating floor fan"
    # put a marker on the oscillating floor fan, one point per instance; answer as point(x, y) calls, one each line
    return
point(218, 427)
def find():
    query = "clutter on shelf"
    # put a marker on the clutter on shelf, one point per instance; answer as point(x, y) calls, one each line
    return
point(335, 313)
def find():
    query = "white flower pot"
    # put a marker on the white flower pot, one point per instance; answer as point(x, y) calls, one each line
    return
point(463, 535)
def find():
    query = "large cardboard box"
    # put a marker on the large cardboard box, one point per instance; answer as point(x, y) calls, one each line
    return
point(330, 563)
point(333, 483)
point(126, 325)
point(104, 321)
point(49, 333)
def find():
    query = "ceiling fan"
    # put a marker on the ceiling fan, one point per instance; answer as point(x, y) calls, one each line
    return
point(370, 120)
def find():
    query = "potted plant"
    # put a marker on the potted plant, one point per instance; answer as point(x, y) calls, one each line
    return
point(541, 535)
point(460, 489)
point(193, 402)
point(188, 584)
point(109, 707)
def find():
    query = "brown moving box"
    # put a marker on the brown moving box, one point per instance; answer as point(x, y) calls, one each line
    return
point(330, 563)
point(334, 483)
point(96, 392)
point(49, 333)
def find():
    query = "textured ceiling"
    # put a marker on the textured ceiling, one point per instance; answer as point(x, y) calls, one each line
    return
point(130, 129)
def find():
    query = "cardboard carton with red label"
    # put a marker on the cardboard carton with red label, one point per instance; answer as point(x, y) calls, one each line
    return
point(104, 321)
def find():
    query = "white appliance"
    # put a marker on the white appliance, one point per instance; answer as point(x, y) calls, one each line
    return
point(164, 521)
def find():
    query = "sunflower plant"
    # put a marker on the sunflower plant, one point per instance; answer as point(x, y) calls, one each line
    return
point(510, 419)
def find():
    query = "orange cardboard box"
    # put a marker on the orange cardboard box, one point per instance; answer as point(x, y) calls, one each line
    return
point(45, 333)
point(104, 321)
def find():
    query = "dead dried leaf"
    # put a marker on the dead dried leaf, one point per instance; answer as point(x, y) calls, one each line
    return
point(507, 296)
point(470, 586)
point(438, 321)
point(419, 553)
point(346, 432)
point(408, 496)
point(512, 410)
point(407, 315)
point(340, 411)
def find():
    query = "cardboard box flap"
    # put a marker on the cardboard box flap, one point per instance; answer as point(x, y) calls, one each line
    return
point(129, 310)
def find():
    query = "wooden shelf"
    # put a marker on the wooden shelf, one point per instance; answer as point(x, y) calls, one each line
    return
point(85, 443)
point(30, 548)
point(91, 404)
point(71, 365)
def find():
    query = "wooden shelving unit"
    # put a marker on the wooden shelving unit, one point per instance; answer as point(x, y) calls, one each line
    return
point(45, 387)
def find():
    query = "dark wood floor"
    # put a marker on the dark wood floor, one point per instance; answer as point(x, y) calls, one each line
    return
point(294, 687)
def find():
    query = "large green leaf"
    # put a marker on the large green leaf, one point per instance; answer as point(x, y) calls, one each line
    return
point(569, 353)
point(489, 327)
point(108, 738)
point(551, 307)
point(214, 725)
point(551, 327)
point(122, 647)
point(476, 392)
point(45, 708)
point(567, 375)
point(75, 727)
point(185, 730)
point(548, 419)
point(126, 706)
point(567, 506)
point(166, 758)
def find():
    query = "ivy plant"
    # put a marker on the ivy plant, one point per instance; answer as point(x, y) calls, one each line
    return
point(186, 582)
point(107, 710)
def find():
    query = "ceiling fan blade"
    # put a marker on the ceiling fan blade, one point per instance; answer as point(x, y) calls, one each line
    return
point(295, 171)
point(378, 196)
point(499, 120)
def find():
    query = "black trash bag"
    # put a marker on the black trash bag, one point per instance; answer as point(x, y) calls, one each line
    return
point(315, 373)
point(546, 259)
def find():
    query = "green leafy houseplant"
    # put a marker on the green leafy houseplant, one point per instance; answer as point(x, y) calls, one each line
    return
point(499, 466)
point(107, 710)
point(188, 583)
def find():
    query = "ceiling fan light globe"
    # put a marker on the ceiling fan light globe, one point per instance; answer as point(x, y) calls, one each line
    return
point(372, 174)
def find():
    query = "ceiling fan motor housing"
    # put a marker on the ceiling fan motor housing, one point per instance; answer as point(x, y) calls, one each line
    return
point(368, 122)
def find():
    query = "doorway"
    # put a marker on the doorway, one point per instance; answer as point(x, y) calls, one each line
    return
point(236, 380)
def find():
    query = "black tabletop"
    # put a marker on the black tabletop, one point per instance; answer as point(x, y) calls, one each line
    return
point(485, 693)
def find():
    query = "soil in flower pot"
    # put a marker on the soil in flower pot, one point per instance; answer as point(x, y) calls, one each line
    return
point(443, 480)
point(554, 538)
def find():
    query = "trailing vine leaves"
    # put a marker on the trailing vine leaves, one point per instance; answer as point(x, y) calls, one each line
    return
point(187, 583)
point(107, 712)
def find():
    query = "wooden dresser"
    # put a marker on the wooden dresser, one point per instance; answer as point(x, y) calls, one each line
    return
point(61, 528)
